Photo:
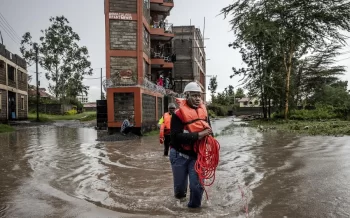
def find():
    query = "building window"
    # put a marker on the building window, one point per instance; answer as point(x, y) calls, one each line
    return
point(22, 102)
point(21, 76)
point(11, 72)
point(245, 103)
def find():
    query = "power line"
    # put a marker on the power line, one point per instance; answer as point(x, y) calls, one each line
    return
point(10, 36)
point(10, 27)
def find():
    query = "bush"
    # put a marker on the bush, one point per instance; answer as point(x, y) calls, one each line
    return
point(211, 113)
point(219, 110)
point(71, 112)
point(321, 112)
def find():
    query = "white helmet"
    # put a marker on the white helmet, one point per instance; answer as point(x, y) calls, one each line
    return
point(171, 105)
point(192, 87)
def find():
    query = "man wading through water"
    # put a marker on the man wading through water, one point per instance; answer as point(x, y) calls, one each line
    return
point(164, 133)
point(184, 143)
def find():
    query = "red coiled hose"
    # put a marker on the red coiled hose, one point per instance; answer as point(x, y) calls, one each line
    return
point(207, 161)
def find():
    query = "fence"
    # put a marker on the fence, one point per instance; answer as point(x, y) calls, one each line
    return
point(51, 108)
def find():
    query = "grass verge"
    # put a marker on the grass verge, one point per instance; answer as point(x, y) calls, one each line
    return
point(86, 116)
point(326, 127)
point(6, 128)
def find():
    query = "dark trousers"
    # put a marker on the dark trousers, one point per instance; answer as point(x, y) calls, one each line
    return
point(184, 171)
point(166, 144)
point(127, 130)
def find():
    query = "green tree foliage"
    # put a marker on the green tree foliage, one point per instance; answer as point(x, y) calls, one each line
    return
point(288, 47)
point(61, 56)
point(240, 93)
point(213, 85)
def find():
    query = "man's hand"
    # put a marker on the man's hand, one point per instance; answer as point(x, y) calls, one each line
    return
point(161, 140)
point(204, 133)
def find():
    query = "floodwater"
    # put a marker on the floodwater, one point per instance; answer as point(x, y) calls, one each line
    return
point(60, 171)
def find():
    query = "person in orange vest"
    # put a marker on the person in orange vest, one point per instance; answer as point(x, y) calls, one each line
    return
point(189, 124)
point(164, 133)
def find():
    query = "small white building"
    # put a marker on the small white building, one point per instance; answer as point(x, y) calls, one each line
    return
point(250, 102)
point(83, 99)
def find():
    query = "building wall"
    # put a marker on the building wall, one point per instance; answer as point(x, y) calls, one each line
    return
point(2, 72)
point(57, 109)
point(123, 34)
point(119, 70)
point(17, 83)
point(83, 99)
point(3, 102)
point(149, 113)
point(22, 80)
point(148, 108)
point(146, 10)
point(190, 56)
point(146, 42)
point(123, 106)
point(11, 82)
point(129, 6)
point(160, 107)
point(127, 48)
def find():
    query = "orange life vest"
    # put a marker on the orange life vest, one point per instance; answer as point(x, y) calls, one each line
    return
point(195, 120)
point(165, 127)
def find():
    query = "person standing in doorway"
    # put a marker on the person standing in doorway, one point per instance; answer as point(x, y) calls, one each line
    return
point(189, 124)
point(164, 133)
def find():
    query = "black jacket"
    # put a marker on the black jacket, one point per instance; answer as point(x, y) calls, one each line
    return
point(179, 138)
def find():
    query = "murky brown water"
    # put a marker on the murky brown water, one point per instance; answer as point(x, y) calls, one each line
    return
point(56, 171)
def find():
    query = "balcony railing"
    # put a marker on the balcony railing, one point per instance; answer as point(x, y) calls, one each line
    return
point(168, 57)
point(162, 51)
point(168, 27)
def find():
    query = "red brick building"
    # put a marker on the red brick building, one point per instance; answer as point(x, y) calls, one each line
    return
point(138, 52)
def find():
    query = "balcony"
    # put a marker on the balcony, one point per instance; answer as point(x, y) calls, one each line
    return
point(162, 5)
point(162, 78)
point(161, 55)
point(161, 30)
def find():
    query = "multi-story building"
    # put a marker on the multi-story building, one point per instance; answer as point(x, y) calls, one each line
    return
point(83, 99)
point(190, 65)
point(13, 86)
point(138, 53)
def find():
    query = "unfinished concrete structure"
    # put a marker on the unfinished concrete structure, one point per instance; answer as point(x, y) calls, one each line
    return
point(190, 65)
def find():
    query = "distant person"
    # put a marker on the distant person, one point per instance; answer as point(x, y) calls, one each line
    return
point(127, 126)
point(164, 133)
point(189, 124)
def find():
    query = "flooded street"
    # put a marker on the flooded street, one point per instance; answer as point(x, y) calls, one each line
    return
point(58, 171)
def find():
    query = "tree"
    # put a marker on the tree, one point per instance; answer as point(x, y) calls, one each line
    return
point(213, 85)
point(60, 55)
point(278, 34)
point(240, 93)
point(230, 91)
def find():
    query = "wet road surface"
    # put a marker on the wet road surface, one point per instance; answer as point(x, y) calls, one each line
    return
point(59, 171)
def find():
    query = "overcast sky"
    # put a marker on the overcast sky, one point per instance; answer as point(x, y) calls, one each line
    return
point(87, 19)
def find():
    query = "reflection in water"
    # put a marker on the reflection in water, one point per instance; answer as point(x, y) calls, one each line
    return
point(58, 171)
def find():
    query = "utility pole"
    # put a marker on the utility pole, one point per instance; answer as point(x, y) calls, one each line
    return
point(37, 80)
point(101, 86)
